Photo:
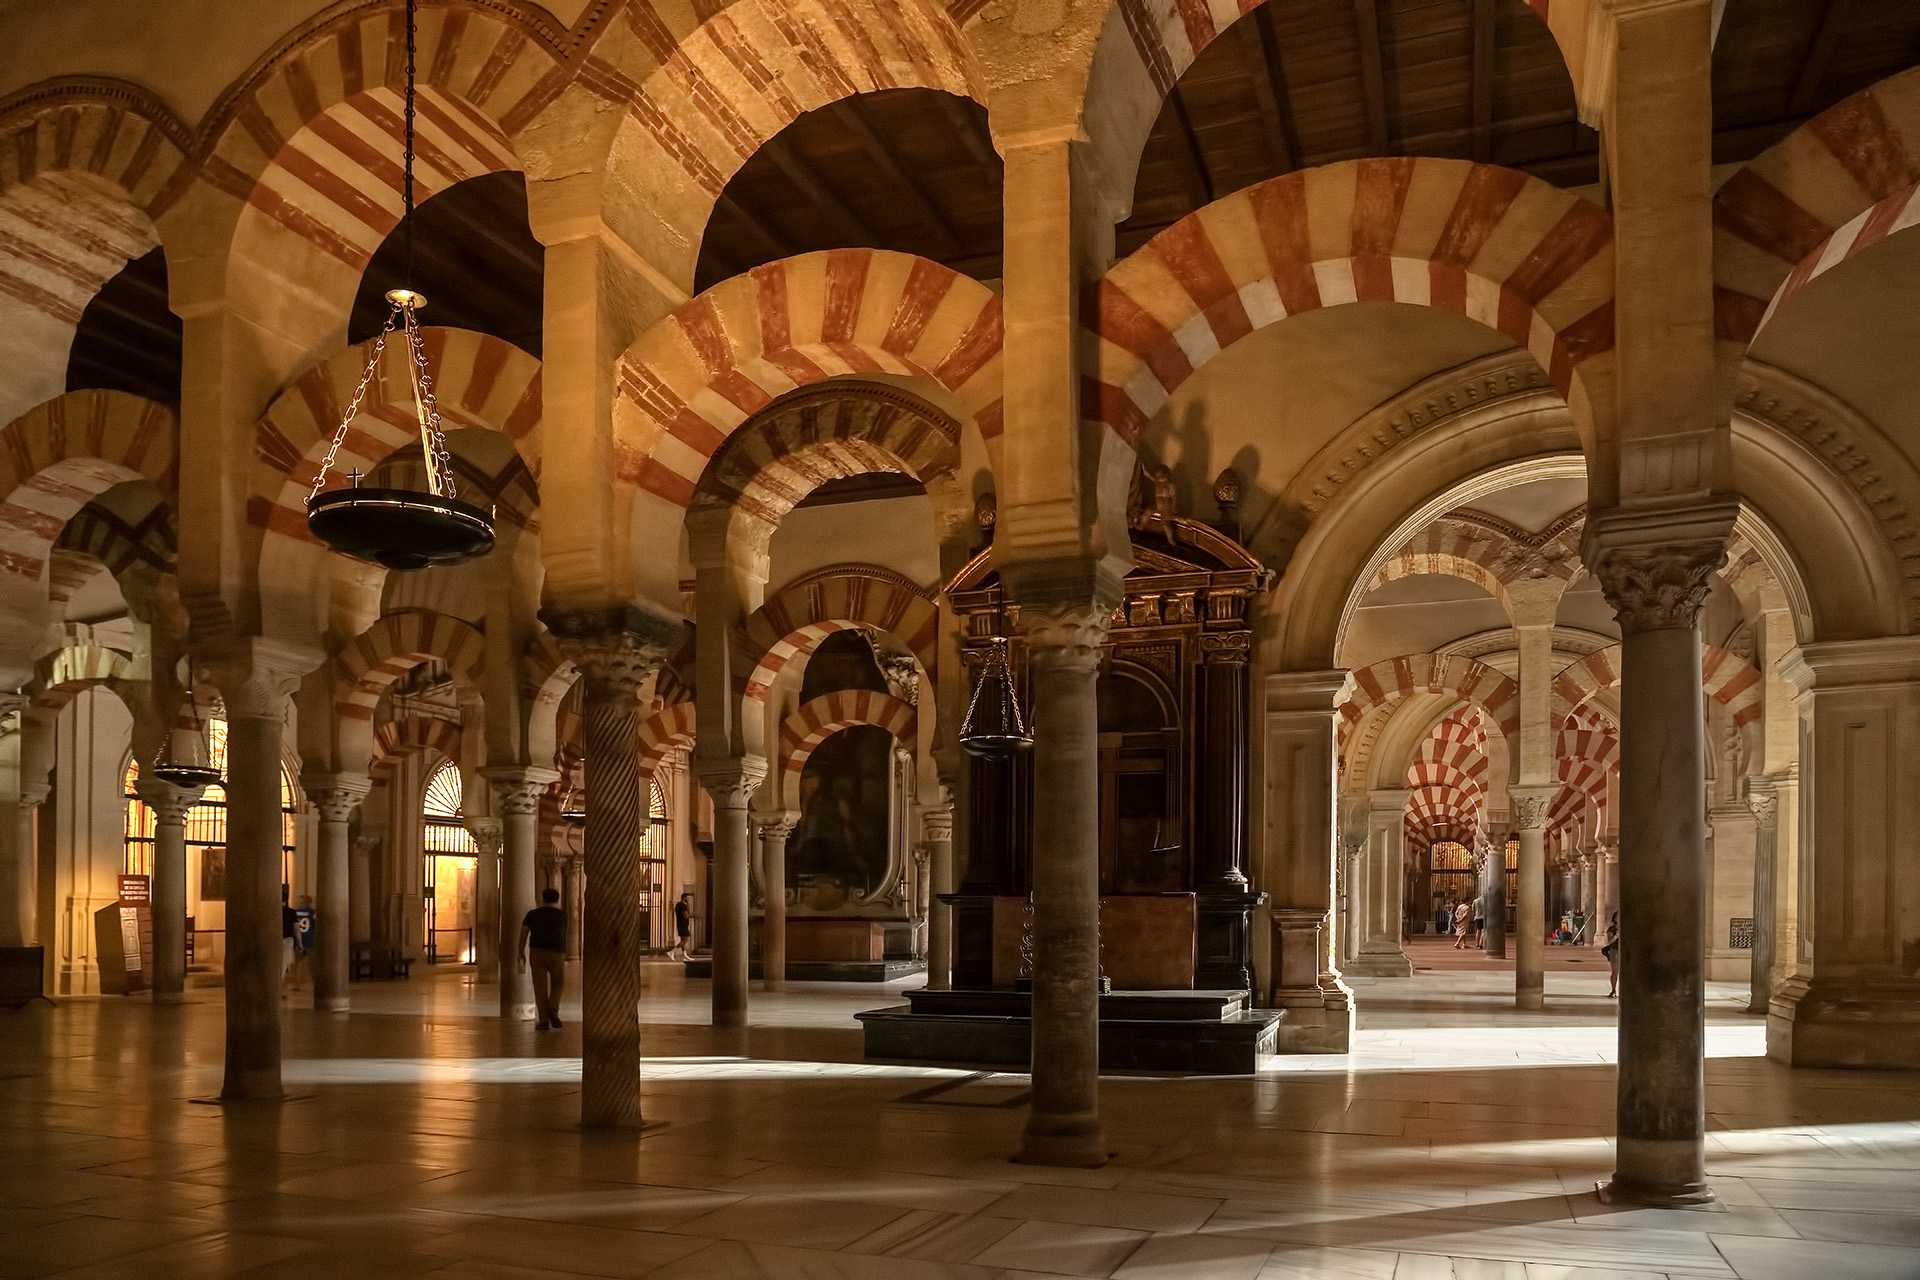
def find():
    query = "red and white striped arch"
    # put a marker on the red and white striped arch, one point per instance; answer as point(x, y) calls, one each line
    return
point(793, 622)
point(1490, 244)
point(411, 734)
point(705, 86)
point(1725, 677)
point(61, 676)
point(816, 721)
point(62, 455)
point(395, 645)
point(478, 381)
point(1395, 678)
point(1839, 184)
point(84, 171)
point(694, 378)
point(671, 728)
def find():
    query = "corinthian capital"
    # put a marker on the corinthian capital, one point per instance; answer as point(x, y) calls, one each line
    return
point(518, 789)
point(731, 781)
point(1065, 635)
point(1530, 807)
point(1656, 565)
point(615, 650)
point(337, 796)
point(1766, 808)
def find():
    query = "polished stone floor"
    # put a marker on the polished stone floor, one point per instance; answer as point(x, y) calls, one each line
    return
point(1461, 1139)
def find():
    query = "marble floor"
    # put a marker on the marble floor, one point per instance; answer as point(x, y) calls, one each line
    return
point(1460, 1139)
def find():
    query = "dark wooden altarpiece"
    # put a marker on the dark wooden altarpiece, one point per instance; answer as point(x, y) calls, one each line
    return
point(1174, 699)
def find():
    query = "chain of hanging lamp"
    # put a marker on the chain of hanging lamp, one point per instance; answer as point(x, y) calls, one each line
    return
point(402, 315)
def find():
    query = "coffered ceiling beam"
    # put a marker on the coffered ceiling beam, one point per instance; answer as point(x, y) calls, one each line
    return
point(1814, 67)
point(1373, 80)
point(1483, 72)
point(850, 117)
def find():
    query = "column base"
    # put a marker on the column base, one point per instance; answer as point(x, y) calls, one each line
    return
point(1530, 999)
point(332, 1004)
point(1379, 963)
point(1304, 1029)
point(1667, 1173)
point(1826, 1024)
point(169, 997)
point(1065, 1142)
point(1686, 1195)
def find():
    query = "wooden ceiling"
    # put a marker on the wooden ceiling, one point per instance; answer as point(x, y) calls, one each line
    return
point(1289, 86)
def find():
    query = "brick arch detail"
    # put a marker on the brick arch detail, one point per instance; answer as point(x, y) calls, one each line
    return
point(412, 734)
point(693, 379)
point(1725, 677)
point(1490, 244)
point(671, 728)
point(1472, 682)
point(1834, 187)
point(793, 622)
point(396, 644)
point(58, 457)
point(816, 721)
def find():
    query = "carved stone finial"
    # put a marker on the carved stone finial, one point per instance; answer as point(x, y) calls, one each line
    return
point(1226, 492)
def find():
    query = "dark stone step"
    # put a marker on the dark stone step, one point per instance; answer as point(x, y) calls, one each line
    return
point(1138, 1006)
point(826, 970)
point(1236, 1045)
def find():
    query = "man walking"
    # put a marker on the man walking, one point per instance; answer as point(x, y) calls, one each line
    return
point(543, 937)
point(682, 928)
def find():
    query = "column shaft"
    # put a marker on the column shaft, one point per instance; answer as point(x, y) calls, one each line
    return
point(517, 793)
point(1530, 807)
point(731, 783)
point(333, 961)
point(1063, 1126)
point(16, 853)
point(773, 937)
point(938, 826)
point(1765, 902)
point(253, 897)
point(170, 890)
point(612, 944)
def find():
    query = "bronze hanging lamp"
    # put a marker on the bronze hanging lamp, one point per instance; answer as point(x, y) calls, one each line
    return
point(169, 767)
point(573, 807)
point(995, 728)
point(401, 528)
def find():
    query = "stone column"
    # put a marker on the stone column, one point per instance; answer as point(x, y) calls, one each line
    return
point(1655, 569)
point(572, 878)
point(335, 797)
point(170, 805)
point(1380, 954)
point(1606, 887)
point(1765, 806)
point(1063, 646)
point(22, 887)
point(936, 826)
point(360, 890)
point(1301, 843)
point(773, 923)
point(1530, 806)
point(731, 783)
point(255, 686)
point(614, 655)
point(1493, 899)
point(1226, 901)
point(516, 793)
point(487, 839)
point(1354, 860)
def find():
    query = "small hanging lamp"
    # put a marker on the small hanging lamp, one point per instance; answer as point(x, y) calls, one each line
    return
point(573, 807)
point(401, 528)
point(169, 767)
point(995, 728)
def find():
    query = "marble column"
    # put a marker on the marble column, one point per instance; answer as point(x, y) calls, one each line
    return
point(255, 687)
point(1656, 571)
point(1354, 881)
point(773, 922)
point(36, 766)
point(731, 783)
point(516, 793)
point(1380, 954)
point(1063, 646)
point(336, 797)
point(1493, 899)
point(614, 654)
point(487, 838)
point(936, 826)
point(1225, 900)
point(170, 805)
point(1301, 841)
point(1530, 806)
point(1765, 806)
point(360, 889)
point(1606, 887)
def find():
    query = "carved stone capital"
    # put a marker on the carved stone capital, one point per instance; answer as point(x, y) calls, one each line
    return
point(1065, 637)
point(1656, 565)
point(778, 827)
point(614, 650)
point(1531, 805)
point(1766, 808)
point(256, 679)
point(936, 825)
point(731, 781)
point(170, 804)
point(518, 789)
point(336, 797)
point(486, 835)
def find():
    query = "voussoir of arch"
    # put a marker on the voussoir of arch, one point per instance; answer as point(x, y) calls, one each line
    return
point(1463, 678)
point(813, 722)
point(1490, 244)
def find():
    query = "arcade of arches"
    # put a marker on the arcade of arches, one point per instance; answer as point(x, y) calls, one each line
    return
point(1420, 452)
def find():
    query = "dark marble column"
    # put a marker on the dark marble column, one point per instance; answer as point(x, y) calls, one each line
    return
point(1225, 899)
point(336, 797)
point(1766, 844)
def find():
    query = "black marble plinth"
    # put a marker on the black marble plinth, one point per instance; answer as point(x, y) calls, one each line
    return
point(826, 970)
point(1192, 1032)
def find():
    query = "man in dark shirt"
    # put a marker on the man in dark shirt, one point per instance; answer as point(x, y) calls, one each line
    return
point(682, 928)
point(543, 938)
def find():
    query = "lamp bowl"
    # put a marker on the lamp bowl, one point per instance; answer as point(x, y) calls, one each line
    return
point(400, 528)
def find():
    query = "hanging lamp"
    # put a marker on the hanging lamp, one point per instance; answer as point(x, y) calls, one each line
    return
point(995, 727)
point(169, 767)
point(401, 528)
point(573, 807)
